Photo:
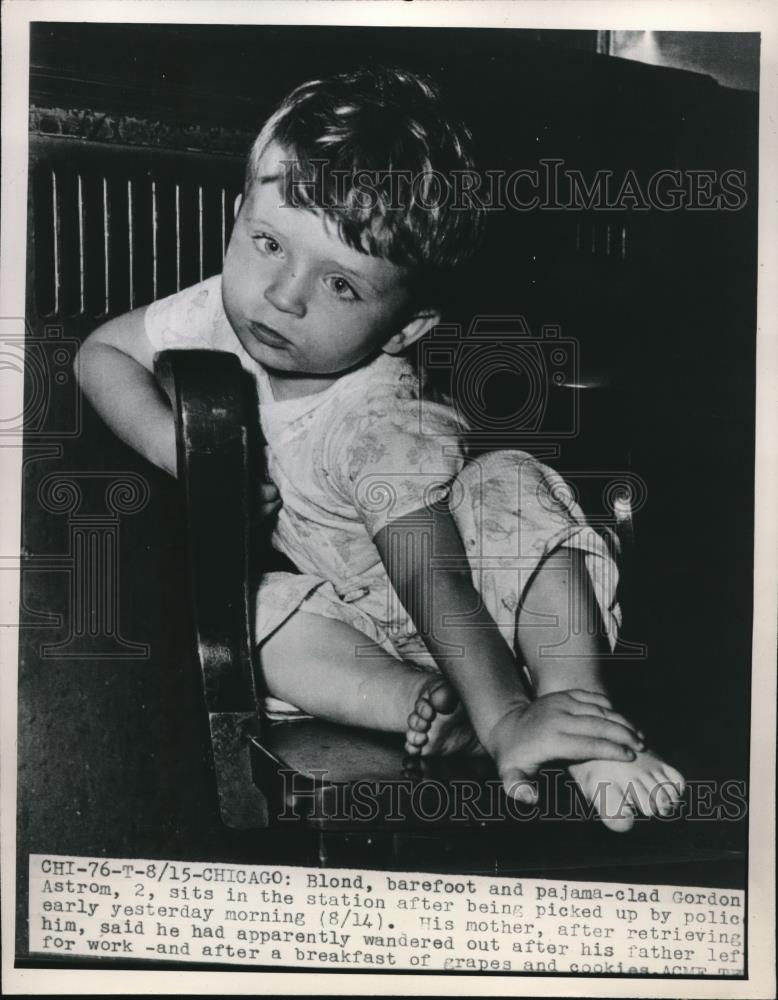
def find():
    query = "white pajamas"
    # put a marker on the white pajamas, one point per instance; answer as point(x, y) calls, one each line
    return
point(365, 451)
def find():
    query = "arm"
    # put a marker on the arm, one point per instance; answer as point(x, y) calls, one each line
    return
point(114, 369)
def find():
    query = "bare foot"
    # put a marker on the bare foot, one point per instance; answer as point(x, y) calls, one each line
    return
point(438, 723)
point(619, 790)
point(575, 725)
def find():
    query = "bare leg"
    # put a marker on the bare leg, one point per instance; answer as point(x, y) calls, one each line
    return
point(562, 639)
point(331, 670)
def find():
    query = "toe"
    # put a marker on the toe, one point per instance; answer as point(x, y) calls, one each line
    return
point(617, 811)
point(671, 784)
point(619, 823)
point(425, 710)
point(662, 802)
point(417, 723)
point(442, 697)
point(613, 805)
point(675, 777)
point(669, 790)
point(642, 796)
point(415, 739)
point(414, 744)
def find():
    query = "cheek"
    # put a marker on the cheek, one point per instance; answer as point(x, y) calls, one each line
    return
point(378, 328)
point(241, 279)
point(359, 332)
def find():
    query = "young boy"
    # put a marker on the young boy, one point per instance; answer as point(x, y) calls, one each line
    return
point(344, 239)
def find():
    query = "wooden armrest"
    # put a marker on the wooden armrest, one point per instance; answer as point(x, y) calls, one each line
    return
point(210, 400)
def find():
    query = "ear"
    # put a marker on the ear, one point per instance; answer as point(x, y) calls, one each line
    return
point(413, 330)
point(237, 204)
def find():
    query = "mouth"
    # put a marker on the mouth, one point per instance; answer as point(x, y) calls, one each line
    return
point(267, 335)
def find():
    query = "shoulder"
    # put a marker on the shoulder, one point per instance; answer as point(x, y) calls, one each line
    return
point(385, 426)
point(391, 398)
point(191, 318)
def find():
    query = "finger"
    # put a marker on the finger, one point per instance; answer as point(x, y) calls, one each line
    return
point(588, 708)
point(268, 491)
point(590, 697)
point(576, 747)
point(592, 725)
point(518, 786)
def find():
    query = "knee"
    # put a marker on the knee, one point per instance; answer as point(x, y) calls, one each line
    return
point(510, 469)
point(498, 462)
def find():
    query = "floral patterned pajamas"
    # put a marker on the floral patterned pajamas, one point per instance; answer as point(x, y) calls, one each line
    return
point(365, 451)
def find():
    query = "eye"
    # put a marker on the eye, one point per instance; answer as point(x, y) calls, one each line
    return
point(267, 244)
point(341, 288)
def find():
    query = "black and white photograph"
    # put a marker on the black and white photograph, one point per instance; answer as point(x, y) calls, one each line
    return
point(389, 556)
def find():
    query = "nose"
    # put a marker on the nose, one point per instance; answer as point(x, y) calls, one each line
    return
point(285, 292)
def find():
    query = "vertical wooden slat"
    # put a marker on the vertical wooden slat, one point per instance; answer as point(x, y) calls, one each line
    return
point(188, 234)
point(200, 274)
point(177, 208)
point(142, 241)
point(154, 237)
point(230, 194)
point(118, 245)
point(224, 220)
point(55, 232)
point(80, 209)
point(106, 241)
point(93, 232)
point(212, 234)
point(166, 250)
point(130, 282)
point(44, 222)
point(69, 238)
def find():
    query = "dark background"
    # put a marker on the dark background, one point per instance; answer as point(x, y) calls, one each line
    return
point(661, 304)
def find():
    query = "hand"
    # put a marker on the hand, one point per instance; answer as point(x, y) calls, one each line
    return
point(566, 725)
point(269, 502)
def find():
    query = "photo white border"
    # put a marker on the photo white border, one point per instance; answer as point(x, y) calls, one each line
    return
point(697, 15)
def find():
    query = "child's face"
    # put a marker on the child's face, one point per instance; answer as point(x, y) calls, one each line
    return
point(299, 299)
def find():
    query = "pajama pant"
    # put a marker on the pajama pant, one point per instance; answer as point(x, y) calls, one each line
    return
point(512, 512)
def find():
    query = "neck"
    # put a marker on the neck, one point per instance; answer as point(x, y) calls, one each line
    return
point(287, 386)
point(295, 385)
